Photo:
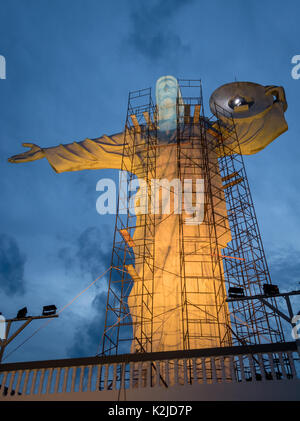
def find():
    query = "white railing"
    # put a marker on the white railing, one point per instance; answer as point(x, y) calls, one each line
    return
point(156, 370)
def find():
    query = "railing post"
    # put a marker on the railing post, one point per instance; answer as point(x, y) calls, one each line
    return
point(140, 380)
point(271, 361)
point(167, 374)
point(262, 367)
point(185, 377)
point(20, 375)
point(149, 374)
point(232, 371)
point(175, 371)
point(242, 368)
point(157, 383)
point(24, 390)
point(99, 367)
point(73, 380)
point(35, 371)
point(222, 361)
point(11, 382)
point(65, 384)
point(89, 382)
point(204, 376)
point(195, 379)
point(41, 381)
point(48, 387)
point(57, 379)
point(123, 374)
point(292, 364)
point(80, 386)
point(250, 358)
point(213, 370)
point(114, 383)
point(284, 374)
point(3, 382)
point(131, 380)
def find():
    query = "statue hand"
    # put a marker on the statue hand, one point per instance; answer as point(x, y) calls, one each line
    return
point(33, 154)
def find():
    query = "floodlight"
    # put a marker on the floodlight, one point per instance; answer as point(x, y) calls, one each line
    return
point(270, 289)
point(49, 310)
point(236, 292)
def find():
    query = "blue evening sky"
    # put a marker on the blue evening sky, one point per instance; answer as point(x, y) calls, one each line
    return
point(70, 66)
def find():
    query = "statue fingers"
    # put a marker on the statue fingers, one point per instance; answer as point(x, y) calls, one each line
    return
point(28, 145)
point(14, 159)
point(22, 157)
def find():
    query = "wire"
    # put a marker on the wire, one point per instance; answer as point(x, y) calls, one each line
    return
point(59, 312)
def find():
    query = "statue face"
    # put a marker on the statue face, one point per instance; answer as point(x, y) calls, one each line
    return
point(166, 94)
point(167, 90)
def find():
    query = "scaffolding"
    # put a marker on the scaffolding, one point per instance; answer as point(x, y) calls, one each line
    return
point(251, 323)
point(224, 251)
point(140, 139)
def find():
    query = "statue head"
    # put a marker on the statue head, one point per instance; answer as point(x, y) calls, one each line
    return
point(244, 100)
point(167, 92)
point(256, 110)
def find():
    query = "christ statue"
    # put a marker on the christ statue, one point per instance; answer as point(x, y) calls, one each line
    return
point(258, 115)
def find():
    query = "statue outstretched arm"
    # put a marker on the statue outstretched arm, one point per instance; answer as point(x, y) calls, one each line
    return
point(102, 152)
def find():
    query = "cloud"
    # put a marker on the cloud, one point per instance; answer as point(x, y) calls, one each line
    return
point(12, 263)
point(151, 35)
point(88, 335)
point(89, 252)
point(90, 255)
point(285, 268)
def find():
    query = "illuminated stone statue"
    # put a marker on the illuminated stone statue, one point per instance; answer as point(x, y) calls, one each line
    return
point(258, 114)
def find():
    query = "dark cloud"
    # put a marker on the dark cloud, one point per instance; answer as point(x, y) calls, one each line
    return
point(89, 252)
point(285, 268)
point(151, 35)
point(88, 338)
point(88, 335)
point(12, 263)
